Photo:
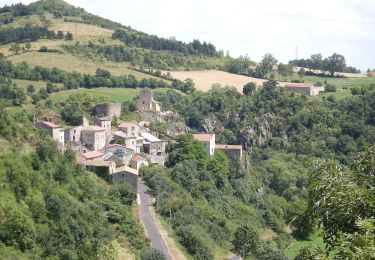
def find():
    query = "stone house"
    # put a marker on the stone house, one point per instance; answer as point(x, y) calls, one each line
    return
point(94, 137)
point(153, 145)
point(55, 131)
point(304, 88)
point(232, 151)
point(104, 122)
point(73, 135)
point(146, 101)
point(130, 128)
point(127, 175)
point(138, 161)
point(208, 140)
point(122, 152)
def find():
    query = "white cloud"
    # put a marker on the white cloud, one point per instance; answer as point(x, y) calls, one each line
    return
point(255, 26)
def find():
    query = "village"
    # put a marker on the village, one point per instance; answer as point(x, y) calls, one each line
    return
point(118, 153)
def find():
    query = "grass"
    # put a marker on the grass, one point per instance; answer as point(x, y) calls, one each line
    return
point(37, 84)
point(341, 82)
point(115, 94)
point(314, 241)
point(69, 62)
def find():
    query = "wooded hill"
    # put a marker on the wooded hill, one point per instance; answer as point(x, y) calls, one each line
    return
point(268, 206)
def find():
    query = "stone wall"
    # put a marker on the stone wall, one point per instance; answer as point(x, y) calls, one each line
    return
point(108, 110)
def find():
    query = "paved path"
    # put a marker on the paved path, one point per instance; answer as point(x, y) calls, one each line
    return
point(145, 207)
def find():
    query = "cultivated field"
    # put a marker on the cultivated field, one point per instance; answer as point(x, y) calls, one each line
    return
point(205, 79)
point(115, 94)
point(69, 62)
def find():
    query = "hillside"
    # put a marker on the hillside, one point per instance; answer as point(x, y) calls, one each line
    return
point(302, 156)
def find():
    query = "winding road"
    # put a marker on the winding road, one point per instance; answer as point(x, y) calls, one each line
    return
point(145, 209)
point(145, 203)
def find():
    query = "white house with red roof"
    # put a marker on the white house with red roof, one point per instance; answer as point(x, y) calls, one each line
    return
point(55, 131)
point(208, 140)
point(138, 161)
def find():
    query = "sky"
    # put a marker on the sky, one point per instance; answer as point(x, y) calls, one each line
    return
point(285, 28)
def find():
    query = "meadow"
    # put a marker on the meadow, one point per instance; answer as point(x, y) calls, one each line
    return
point(115, 94)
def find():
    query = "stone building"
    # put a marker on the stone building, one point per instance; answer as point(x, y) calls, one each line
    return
point(55, 131)
point(127, 175)
point(138, 161)
point(94, 137)
point(304, 88)
point(104, 122)
point(146, 101)
point(73, 135)
point(108, 110)
point(130, 128)
point(208, 140)
point(232, 151)
point(153, 145)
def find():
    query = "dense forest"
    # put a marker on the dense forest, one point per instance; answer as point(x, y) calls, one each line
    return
point(156, 43)
point(285, 134)
point(28, 33)
point(52, 207)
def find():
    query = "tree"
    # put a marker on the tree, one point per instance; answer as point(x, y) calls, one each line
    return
point(103, 73)
point(267, 64)
point(316, 62)
point(339, 197)
point(15, 48)
point(283, 70)
point(335, 63)
point(301, 73)
point(43, 93)
point(60, 35)
point(69, 36)
point(249, 88)
point(30, 89)
point(246, 241)
point(152, 254)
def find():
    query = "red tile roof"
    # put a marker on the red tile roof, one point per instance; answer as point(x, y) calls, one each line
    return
point(137, 158)
point(50, 124)
point(298, 85)
point(93, 128)
point(92, 155)
point(203, 137)
point(126, 125)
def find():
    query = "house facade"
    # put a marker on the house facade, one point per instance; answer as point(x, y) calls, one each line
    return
point(104, 122)
point(130, 128)
point(146, 101)
point(55, 131)
point(208, 140)
point(153, 145)
point(94, 137)
point(306, 89)
point(232, 151)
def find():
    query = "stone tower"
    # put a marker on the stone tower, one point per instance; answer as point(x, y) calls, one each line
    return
point(144, 101)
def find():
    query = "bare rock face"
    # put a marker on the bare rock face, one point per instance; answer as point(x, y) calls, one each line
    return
point(259, 133)
point(210, 125)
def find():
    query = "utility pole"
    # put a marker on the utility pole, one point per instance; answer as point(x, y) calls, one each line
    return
point(170, 222)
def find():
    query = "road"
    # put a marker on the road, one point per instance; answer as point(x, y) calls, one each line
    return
point(145, 207)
